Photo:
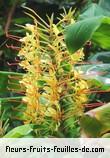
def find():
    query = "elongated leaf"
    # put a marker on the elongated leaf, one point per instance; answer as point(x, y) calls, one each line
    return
point(91, 126)
point(95, 28)
point(20, 132)
point(96, 122)
point(102, 114)
point(102, 35)
point(76, 35)
point(103, 57)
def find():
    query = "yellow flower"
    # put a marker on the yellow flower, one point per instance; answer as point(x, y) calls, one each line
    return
point(30, 27)
point(48, 84)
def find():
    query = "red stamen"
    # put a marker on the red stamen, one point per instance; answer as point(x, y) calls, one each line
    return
point(17, 101)
point(17, 84)
point(91, 74)
point(15, 109)
point(14, 77)
point(12, 64)
point(97, 91)
point(13, 100)
point(89, 62)
point(14, 90)
point(16, 118)
point(93, 105)
point(13, 47)
point(17, 38)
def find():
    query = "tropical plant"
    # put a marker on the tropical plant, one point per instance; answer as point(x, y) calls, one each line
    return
point(62, 89)
point(55, 94)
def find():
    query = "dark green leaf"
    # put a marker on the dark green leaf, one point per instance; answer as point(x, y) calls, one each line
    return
point(95, 28)
point(1, 31)
point(76, 35)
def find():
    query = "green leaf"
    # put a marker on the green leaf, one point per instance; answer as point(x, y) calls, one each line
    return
point(22, 20)
point(105, 4)
point(93, 10)
point(20, 132)
point(91, 126)
point(107, 135)
point(1, 31)
point(9, 80)
point(102, 35)
point(95, 28)
point(76, 35)
point(103, 57)
point(8, 105)
point(66, 66)
point(102, 114)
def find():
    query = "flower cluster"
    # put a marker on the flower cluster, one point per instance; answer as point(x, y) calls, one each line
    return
point(54, 89)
